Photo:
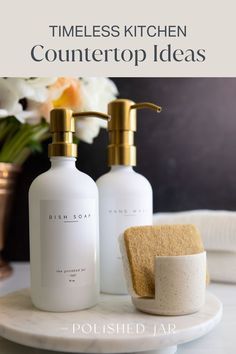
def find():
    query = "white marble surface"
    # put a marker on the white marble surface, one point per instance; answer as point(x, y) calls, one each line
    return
point(112, 326)
point(221, 340)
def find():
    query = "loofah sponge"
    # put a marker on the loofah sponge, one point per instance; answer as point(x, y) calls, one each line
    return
point(139, 246)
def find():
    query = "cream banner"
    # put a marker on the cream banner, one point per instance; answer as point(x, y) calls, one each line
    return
point(118, 38)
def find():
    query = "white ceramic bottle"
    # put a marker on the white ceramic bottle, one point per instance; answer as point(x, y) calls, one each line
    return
point(63, 215)
point(125, 197)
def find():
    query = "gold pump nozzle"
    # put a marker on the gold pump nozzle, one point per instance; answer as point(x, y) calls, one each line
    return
point(62, 127)
point(148, 105)
point(92, 114)
point(121, 128)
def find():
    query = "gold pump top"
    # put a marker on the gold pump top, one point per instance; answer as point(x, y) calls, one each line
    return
point(121, 128)
point(62, 127)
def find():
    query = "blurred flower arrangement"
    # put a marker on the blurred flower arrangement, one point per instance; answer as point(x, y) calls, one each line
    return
point(25, 104)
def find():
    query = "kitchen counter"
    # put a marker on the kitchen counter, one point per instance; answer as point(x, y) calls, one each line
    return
point(221, 340)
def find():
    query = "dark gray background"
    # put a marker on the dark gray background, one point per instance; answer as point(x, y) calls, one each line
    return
point(187, 152)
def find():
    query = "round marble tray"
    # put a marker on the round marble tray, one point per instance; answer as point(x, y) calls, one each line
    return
point(113, 326)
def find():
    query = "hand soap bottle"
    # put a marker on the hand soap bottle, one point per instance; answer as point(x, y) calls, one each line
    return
point(63, 215)
point(125, 197)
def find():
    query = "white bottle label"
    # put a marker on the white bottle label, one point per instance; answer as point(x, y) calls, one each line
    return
point(68, 242)
point(122, 213)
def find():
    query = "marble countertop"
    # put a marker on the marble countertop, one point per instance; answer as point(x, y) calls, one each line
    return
point(221, 340)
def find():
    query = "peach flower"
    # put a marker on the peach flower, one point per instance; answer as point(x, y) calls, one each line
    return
point(64, 93)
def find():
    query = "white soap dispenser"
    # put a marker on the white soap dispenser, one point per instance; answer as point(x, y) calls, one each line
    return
point(125, 197)
point(63, 215)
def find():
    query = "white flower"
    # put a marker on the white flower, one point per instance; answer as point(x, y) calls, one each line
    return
point(9, 101)
point(12, 90)
point(39, 88)
point(96, 93)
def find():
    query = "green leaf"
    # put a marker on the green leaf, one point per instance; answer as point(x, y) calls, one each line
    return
point(18, 140)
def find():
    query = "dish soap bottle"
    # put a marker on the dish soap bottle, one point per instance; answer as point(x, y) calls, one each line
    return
point(125, 197)
point(63, 215)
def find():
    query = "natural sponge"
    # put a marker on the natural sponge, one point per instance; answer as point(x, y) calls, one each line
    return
point(140, 245)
